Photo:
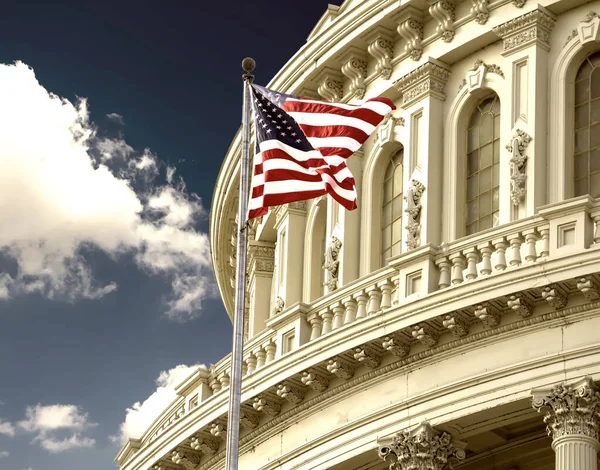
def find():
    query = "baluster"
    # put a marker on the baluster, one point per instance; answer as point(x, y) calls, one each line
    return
point(396, 294)
point(515, 244)
point(472, 260)
point(386, 293)
point(486, 251)
point(224, 379)
point(531, 238)
point(350, 305)
point(361, 300)
point(458, 266)
point(597, 228)
point(251, 363)
point(327, 317)
point(545, 233)
point(261, 357)
point(316, 325)
point(338, 315)
point(270, 348)
point(444, 266)
point(214, 385)
point(501, 245)
point(374, 300)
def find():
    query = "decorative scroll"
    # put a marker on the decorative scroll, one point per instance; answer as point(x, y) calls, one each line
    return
point(517, 147)
point(443, 12)
point(413, 198)
point(381, 47)
point(479, 11)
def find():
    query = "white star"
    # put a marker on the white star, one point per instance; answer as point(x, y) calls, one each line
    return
point(283, 134)
point(298, 140)
point(268, 130)
point(293, 134)
point(285, 122)
point(288, 127)
point(279, 116)
point(278, 127)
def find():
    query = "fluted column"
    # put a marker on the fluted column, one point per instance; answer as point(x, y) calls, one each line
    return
point(424, 448)
point(572, 415)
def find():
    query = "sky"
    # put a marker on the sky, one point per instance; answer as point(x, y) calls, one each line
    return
point(114, 120)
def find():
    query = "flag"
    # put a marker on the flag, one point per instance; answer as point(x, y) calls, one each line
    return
point(302, 146)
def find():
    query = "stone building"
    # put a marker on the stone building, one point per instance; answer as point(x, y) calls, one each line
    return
point(453, 319)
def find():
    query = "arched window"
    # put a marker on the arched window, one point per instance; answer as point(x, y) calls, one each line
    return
point(391, 238)
point(586, 168)
point(483, 166)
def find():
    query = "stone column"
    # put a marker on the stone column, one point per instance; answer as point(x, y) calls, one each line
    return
point(572, 415)
point(424, 448)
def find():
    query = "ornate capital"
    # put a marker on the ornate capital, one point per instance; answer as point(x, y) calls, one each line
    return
point(427, 80)
point(518, 174)
point(330, 84)
point(443, 12)
point(531, 28)
point(354, 66)
point(422, 449)
point(410, 27)
point(570, 409)
point(381, 47)
point(261, 257)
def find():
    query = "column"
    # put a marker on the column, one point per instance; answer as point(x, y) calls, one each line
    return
point(423, 99)
point(261, 261)
point(424, 448)
point(572, 414)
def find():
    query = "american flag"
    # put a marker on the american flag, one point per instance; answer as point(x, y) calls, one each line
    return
point(302, 146)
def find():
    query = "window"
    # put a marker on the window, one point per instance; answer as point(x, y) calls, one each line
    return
point(587, 128)
point(483, 166)
point(391, 241)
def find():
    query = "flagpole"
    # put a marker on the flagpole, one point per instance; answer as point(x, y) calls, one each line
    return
point(235, 384)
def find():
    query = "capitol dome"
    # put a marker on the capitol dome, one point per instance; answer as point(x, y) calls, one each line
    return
point(453, 319)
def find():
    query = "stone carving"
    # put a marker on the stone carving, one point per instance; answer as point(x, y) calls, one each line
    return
point(218, 430)
point(532, 27)
point(413, 209)
point(519, 3)
point(480, 11)
point(443, 12)
point(354, 66)
point(570, 409)
point(488, 314)
point(332, 263)
point(185, 459)
point(518, 304)
point(395, 346)
point(290, 393)
point(367, 356)
point(425, 335)
point(313, 379)
point(422, 449)
point(266, 405)
point(385, 131)
point(588, 287)
point(279, 305)
point(586, 31)
point(261, 258)
point(340, 368)
point(489, 68)
point(428, 79)
point(204, 445)
point(381, 48)
point(457, 325)
point(518, 176)
point(331, 85)
point(249, 420)
point(410, 27)
point(554, 297)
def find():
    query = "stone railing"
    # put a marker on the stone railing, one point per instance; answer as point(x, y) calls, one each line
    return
point(557, 232)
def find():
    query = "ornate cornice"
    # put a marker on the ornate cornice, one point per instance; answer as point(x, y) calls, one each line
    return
point(531, 28)
point(427, 80)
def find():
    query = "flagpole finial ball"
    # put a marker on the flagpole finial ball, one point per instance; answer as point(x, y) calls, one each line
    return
point(248, 64)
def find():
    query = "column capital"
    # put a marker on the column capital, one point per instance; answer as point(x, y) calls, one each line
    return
point(422, 448)
point(261, 256)
point(570, 409)
point(426, 80)
point(531, 28)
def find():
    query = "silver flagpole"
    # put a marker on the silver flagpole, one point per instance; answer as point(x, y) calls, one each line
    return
point(235, 384)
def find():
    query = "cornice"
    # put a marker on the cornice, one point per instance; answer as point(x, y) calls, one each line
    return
point(531, 28)
point(426, 80)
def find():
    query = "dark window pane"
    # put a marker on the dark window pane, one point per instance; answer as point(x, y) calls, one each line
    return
point(595, 160)
point(475, 117)
point(398, 181)
point(396, 249)
point(398, 157)
point(387, 237)
point(396, 230)
point(486, 104)
point(595, 59)
point(595, 84)
point(386, 254)
point(485, 180)
point(496, 175)
point(496, 106)
point(396, 208)
point(496, 151)
point(485, 204)
point(496, 199)
point(582, 91)
point(486, 129)
point(495, 219)
point(582, 115)
point(387, 191)
point(584, 71)
point(496, 127)
point(472, 190)
point(581, 165)
point(471, 229)
point(581, 186)
point(472, 211)
point(485, 156)
point(388, 171)
point(472, 162)
point(595, 112)
point(485, 222)
point(581, 140)
point(387, 214)
point(473, 138)
point(594, 136)
point(595, 184)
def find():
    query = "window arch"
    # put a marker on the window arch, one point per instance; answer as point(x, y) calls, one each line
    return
point(391, 219)
point(482, 209)
point(586, 147)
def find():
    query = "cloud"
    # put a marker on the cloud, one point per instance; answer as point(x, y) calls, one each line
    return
point(47, 421)
point(65, 190)
point(6, 428)
point(4, 453)
point(116, 117)
point(140, 416)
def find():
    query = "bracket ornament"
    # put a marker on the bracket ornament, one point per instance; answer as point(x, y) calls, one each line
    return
point(443, 12)
point(354, 67)
point(422, 449)
point(279, 305)
point(340, 368)
point(518, 304)
point(457, 325)
point(517, 147)
point(413, 209)
point(480, 11)
point(554, 297)
point(588, 287)
point(313, 379)
point(205, 445)
point(381, 47)
point(488, 314)
point(588, 29)
point(410, 27)
point(385, 131)
point(367, 356)
point(425, 335)
point(330, 84)
point(395, 346)
point(290, 392)
point(332, 263)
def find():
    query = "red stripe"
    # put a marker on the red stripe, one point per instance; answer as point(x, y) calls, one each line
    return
point(257, 212)
point(273, 154)
point(363, 114)
point(339, 151)
point(383, 100)
point(334, 131)
point(287, 175)
point(278, 199)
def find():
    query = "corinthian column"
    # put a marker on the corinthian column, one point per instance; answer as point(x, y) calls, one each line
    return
point(424, 448)
point(572, 414)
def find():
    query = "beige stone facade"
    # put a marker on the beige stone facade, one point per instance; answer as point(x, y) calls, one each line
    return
point(454, 318)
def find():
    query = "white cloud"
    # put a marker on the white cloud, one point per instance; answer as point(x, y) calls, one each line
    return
point(141, 415)
point(116, 117)
point(59, 196)
point(76, 441)
point(4, 453)
point(6, 428)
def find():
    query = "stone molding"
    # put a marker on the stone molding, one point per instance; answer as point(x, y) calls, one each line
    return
point(423, 448)
point(261, 257)
point(426, 80)
point(531, 28)
point(381, 47)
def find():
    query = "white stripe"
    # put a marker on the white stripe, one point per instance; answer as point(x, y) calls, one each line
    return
point(295, 186)
point(376, 106)
point(300, 155)
point(324, 119)
point(343, 142)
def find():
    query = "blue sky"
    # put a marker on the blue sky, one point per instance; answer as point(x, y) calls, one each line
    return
point(113, 127)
